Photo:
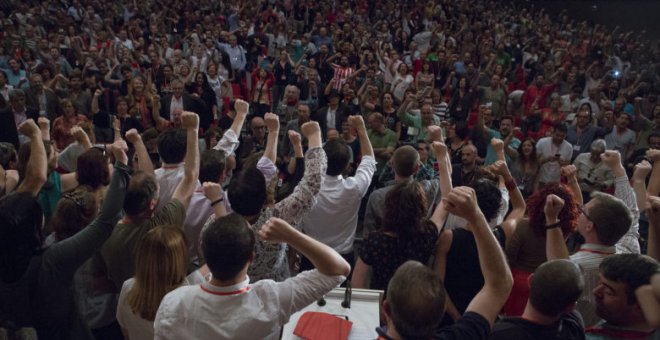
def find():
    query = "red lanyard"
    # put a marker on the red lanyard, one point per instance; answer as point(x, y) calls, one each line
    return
point(236, 292)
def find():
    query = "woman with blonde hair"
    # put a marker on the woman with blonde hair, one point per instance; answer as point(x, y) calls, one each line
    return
point(161, 265)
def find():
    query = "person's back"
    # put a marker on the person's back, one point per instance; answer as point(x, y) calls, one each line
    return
point(228, 306)
point(333, 219)
point(550, 311)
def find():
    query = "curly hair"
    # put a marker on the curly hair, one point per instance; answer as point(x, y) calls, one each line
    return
point(536, 203)
point(405, 209)
point(74, 212)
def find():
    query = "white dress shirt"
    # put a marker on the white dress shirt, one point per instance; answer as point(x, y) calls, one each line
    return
point(241, 311)
point(170, 175)
point(333, 219)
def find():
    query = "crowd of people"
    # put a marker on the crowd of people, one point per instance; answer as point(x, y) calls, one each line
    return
point(206, 169)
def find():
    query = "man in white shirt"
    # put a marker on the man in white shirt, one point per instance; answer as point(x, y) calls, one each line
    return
point(172, 146)
point(228, 306)
point(333, 219)
point(553, 153)
point(609, 225)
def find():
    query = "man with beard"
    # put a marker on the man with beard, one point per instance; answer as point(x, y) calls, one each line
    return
point(511, 143)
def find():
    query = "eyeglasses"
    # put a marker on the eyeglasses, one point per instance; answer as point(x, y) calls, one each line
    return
point(581, 209)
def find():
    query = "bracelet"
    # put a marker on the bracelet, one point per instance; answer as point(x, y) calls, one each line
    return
point(553, 226)
point(511, 184)
point(217, 201)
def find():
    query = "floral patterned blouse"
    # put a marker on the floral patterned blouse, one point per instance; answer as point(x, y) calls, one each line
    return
point(271, 261)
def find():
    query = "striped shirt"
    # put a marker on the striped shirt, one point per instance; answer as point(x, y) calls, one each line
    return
point(341, 74)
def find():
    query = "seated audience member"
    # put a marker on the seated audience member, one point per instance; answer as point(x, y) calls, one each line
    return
point(609, 225)
point(228, 305)
point(622, 138)
point(415, 301)
point(592, 173)
point(550, 311)
point(333, 220)
point(616, 304)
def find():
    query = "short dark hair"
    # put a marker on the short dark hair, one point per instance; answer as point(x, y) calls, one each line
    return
point(561, 127)
point(633, 270)
point(7, 154)
point(610, 216)
point(247, 192)
point(338, 156)
point(555, 285)
point(227, 245)
point(404, 160)
point(489, 197)
point(142, 188)
point(654, 134)
point(211, 164)
point(416, 299)
point(172, 146)
point(92, 169)
point(509, 117)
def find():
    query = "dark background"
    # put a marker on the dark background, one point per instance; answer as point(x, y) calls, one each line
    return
point(631, 15)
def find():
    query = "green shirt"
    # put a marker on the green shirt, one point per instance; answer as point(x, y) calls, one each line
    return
point(378, 141)
point(415, 120)
point(120, 249)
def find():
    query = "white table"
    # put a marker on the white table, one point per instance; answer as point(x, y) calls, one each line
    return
point(364, 312)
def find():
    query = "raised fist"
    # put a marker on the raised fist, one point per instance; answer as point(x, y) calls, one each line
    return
point(611, 158)
point(356, 122)
point(553, 206)
point(29, 128)
point(133, 136)
point(44, 123)
point(310, 128)
point(272, 122)
point(294, 137)
point(276, 230)
point(78, 134)
point(212, 191)
point(189, 120)
point(642, 170)
point(498, 144)
point(440, 149)
point(241, 107)
point(569, 171)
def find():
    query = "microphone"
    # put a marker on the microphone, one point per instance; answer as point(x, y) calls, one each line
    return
point(347, 295)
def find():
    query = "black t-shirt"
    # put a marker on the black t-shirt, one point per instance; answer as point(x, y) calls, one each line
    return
point(470, 326)
point(569, 327)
